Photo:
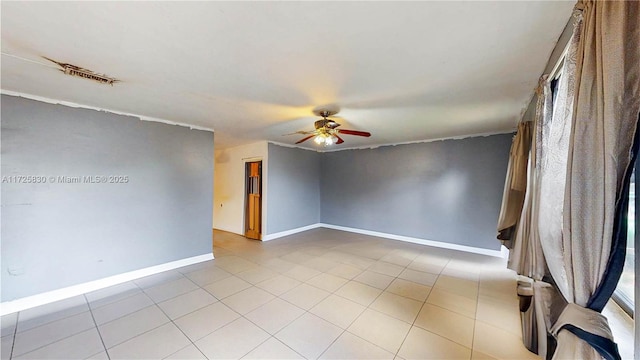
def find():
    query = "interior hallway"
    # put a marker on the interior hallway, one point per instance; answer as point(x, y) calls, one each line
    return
point(318, 294)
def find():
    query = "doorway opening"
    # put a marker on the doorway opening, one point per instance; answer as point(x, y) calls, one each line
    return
point(253, 200)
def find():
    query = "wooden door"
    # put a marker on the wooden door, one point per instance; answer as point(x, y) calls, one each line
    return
point(253, 201)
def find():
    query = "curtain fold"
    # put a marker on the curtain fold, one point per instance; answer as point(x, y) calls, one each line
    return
point(526, 257)
point(515, 184)
point(571, 223)
point(586, 161)
point(556, 135)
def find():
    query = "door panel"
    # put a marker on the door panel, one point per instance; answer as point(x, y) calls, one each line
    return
point(253, 212)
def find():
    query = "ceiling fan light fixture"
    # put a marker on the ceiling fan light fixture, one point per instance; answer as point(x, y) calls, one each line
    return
point(325, 139)
point(329, 140)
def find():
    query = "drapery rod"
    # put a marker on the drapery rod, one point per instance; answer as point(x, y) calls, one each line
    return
point(557, 68)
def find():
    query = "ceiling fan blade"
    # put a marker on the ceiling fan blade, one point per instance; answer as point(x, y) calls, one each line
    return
point(340, 141)
point(305, 139)
point(353, 132)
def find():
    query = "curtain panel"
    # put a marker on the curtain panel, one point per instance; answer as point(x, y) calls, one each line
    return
point(607, 102)
point(515, 184)
point(526, 257)
point(571, 226)
point(587, 153)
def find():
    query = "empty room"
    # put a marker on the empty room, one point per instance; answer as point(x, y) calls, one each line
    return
point(319, 180)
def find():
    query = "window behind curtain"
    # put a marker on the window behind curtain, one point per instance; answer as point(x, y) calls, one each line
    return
point(624, 294)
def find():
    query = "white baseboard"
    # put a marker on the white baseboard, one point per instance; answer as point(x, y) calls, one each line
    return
point(290, 232)
point(28, 302)
point(502, 253)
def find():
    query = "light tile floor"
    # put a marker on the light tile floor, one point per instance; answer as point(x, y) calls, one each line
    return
point(319, 294)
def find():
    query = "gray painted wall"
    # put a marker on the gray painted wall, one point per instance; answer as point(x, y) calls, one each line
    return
point(293, 187)
point(447, 191)
point(56, 235)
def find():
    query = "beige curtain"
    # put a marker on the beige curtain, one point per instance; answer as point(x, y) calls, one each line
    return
point(554, 149)
point(515, 184)
point(585, 154)
point(526, 257)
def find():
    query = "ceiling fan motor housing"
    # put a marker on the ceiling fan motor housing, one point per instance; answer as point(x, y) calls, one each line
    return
point(328, 123)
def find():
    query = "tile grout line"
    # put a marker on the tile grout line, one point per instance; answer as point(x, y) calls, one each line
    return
point(146, 307)
point(272, 335)
point(47, 344)
point(458, 313)
point(421, 307)
point(247, 319)
point(142, 333)
point(156, 304)
point(354, 320)
point(475, 318)
point(185, 335)
point(308, 311)
point(97, 328)
point(176, 325)
point(51, 321)
point(406, 266)
point(383, 290)
point(257, 346)
point(109, 303)
point(412, 325)
point(366, 308)
point(15, 333)
point(124, 315)
point(333, 342)
point(240, 315)
point(119, 300)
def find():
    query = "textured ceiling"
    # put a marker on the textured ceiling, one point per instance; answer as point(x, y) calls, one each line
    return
point(251, 71)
